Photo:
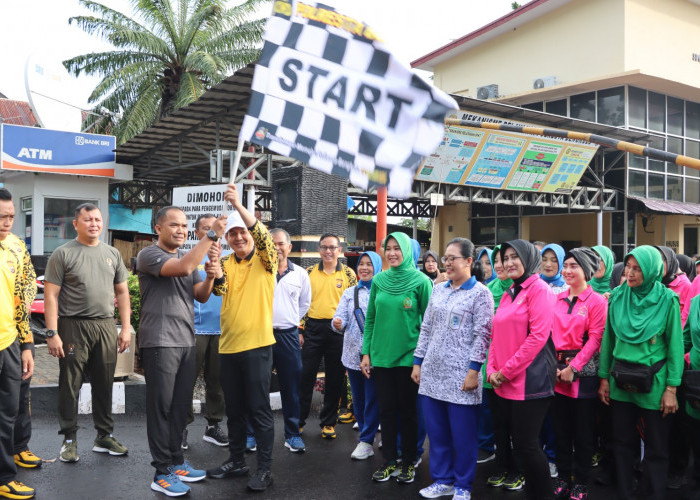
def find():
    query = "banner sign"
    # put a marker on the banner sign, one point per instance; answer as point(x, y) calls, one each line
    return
point(200, 200)
point(328, 92)
point(42, 150)
point(506, 160)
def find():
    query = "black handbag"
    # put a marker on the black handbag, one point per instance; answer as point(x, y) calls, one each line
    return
point(590, 369)
point(634, 377)
point(691, 384)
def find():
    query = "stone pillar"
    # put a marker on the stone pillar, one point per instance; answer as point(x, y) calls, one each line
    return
point(308, 203)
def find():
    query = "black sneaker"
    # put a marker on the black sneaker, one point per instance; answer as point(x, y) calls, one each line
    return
point(229, 469)
point(407, 474)
point(214, 435)
point(184, 444)
point(260, 480)
point(386, 471)
point(485, 456)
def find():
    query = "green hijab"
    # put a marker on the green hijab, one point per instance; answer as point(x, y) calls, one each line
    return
point(637, 314)
point(498, 286)
point(404, 278)
point(602, 285)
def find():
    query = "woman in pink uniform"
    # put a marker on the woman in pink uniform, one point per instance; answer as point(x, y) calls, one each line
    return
point(676, 280)
point(577, 328)
point(521, 365)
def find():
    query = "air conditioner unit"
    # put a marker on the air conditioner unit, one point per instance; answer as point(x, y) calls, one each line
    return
point(487, 91)
point(545, 81)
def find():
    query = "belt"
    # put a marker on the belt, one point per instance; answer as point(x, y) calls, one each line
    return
point(319, 321)
point(285, 330)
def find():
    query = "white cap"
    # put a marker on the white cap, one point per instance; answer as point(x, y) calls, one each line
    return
point(234, 220)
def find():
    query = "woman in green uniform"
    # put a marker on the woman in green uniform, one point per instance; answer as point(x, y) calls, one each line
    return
point(641, 365)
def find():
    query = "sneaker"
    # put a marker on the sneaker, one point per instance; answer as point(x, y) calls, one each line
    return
point(107, 444)
point(251, 444)
point(514, 482)
point(362, 451)
point(346, 417)
point(214, 435)
point(497, 480)
point(355, 426)
point(597, 457)
point(328, 432)
point(485, 456)
point(417, 462)
point(553, 472)
point(380, 444)
point(295, 444)
point(260, 480)
point(229, 469)
point(462, 494)
point(17, 490)
point(184, 444)
point(407, 474)
point(386, 471)
point(561, 489)
point(436, 490)
point(27, 459)
point(187, 473)
point(579, 492)
point(170, 485)
point(69, 451)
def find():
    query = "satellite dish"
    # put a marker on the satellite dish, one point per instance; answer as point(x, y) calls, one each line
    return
point(49, 92)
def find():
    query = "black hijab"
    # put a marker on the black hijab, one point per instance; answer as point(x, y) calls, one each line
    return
point(529, 256)
point(616, 275)
point(687, 265)
point(671, 264)
point(586, 258)
point(434, 255)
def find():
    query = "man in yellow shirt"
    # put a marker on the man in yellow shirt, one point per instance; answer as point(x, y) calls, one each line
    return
point(247, 282)
point(329, 279)
point(14, 328)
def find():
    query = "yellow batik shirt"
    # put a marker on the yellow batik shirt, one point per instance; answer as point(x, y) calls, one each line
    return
point(17, 291)
point(248, 288)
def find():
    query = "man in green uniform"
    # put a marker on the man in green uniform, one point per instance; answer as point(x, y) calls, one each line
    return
point(83, 277)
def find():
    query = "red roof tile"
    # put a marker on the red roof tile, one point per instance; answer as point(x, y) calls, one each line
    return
point(17, 113)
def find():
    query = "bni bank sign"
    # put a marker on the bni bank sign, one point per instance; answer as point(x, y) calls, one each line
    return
point(52, 151)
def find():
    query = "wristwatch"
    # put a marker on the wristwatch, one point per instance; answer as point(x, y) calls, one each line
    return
point(50, 333)
point(211, 234)
point(574, 370)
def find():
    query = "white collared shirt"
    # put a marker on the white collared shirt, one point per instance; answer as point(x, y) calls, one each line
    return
point(292, 298)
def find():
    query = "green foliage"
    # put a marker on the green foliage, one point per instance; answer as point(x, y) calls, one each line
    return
point(515, 5)
point(132, 283)
point(423, 224)
point(167, 56)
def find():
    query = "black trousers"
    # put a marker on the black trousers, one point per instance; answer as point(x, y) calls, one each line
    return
point(502, 432)
point(574, 428)
point(397, 395)
point(23, 422)
point(320, 341)
point(245, 379)
point(626, 443)
point(525, 420)
point(10, 376)
point(169, 375)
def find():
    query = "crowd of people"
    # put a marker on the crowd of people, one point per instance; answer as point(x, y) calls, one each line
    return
point(546, 361)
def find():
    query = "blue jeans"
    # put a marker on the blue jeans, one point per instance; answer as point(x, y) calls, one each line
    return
point(365, 405)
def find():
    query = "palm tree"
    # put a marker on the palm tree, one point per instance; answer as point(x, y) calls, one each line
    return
point(166, 56)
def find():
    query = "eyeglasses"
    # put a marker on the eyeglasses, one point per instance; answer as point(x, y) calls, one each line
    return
point(324, 248)
point(450, 259)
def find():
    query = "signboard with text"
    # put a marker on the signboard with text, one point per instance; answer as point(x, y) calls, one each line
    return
point(505, 160)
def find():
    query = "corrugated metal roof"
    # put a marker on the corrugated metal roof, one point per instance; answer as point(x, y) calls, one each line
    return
point(668, 207)
point(17, 113)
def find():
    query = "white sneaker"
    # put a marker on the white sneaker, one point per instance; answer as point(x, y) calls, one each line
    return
point(362, 451)
point(436, 490)
point(553, 472)
point(356, 426)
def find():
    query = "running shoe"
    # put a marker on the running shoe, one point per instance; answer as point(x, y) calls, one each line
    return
point(436, 490)
point(514, 482)
point(406, 474)
point(295, 444)
point(462, 494)
point(229, 469)
point(561, 489)
point(346, 417)
point(553, 472)
point(497, 480)
point(214, 435)
point(260, 480)
point(187, 473)
point(27, 459)
point(107, 444)
point(169, 484)
point(328, 432)
point(69, 451)
point(362, 451)
point(386, 471)
point(183, 443)
point(485, 456)
point(16, 490)
point(579, 492)
point(251, 444)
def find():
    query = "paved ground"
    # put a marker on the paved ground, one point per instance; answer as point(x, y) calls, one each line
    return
point(324, 472)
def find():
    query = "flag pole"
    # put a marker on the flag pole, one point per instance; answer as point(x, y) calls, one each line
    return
point(381, 218)
point(234, 169)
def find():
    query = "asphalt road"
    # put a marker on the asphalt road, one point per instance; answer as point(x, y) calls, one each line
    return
point(324, 472)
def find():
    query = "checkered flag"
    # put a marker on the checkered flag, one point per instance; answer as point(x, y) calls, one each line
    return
point(327, 91)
